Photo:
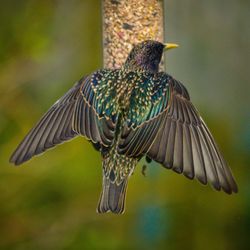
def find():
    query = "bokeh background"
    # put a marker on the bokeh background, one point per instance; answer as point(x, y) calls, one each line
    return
point(50, 201)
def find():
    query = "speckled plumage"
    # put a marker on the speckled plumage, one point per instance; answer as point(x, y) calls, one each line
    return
point(128, 113)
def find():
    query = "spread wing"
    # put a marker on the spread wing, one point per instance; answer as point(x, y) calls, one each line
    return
point(178, 138)
point(73, 114)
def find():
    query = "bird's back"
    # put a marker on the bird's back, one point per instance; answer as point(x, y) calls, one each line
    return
point(130, 94)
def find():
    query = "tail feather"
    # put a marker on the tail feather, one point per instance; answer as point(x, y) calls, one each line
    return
point(113, 196)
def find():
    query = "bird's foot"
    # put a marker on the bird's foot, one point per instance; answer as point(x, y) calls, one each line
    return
point(144, 167)
point(143, 170)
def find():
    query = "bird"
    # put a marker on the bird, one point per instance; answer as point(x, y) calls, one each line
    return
point(128, 113)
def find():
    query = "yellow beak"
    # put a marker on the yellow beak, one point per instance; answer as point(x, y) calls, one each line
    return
point(170, 46)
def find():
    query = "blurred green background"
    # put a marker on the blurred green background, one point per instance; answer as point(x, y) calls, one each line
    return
point(50, 201)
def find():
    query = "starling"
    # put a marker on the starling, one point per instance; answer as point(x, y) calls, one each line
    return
point(129, 113)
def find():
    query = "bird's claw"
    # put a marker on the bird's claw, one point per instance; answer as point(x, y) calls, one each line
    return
point(143, 170)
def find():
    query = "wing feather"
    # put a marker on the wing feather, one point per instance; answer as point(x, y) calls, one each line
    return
point(161, 143)
point(190, 147)
point(178, 149)
point(74, 114)
point(180, 140)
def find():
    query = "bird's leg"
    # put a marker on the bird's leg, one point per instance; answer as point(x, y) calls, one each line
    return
point(143, 170)
point(144, 167)
point(148, 160)
point(97, 146)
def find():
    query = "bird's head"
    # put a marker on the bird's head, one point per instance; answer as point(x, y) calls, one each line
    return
point(146, 56)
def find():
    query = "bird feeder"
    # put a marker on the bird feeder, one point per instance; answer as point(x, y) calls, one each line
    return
point(128, 22)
